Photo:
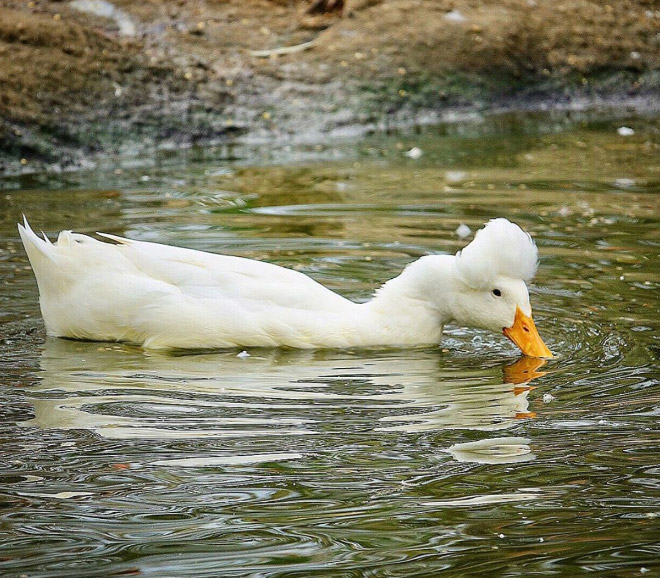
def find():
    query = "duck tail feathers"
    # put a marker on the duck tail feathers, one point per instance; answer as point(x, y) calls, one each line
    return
point(46, 258)
point(35, 246)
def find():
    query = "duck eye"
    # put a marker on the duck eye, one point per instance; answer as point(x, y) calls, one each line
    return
point(497, 293)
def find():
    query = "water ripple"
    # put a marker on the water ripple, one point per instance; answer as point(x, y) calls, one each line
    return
point(462, 459)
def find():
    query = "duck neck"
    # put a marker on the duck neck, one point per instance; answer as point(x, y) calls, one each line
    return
point(418, 300)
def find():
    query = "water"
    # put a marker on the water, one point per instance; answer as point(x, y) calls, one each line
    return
point(464, 459)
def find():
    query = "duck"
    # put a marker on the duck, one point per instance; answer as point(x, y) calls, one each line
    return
point(162, 297)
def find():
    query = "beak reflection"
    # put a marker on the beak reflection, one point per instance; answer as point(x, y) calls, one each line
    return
point(523, 371)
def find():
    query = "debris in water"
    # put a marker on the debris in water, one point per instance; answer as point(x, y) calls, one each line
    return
point(243, 354)
point(624, 183)
point(455, 176)
point(463, 231)
point(414, 153)
point(548, 397)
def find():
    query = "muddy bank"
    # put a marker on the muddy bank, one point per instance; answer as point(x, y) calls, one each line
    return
point(88, 78)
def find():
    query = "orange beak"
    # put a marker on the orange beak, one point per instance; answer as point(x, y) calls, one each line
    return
point(524, 334)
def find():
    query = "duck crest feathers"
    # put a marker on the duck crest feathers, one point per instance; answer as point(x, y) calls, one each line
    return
point(500, 249)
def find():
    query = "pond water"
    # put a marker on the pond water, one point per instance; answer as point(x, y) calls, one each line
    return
point(464, 459)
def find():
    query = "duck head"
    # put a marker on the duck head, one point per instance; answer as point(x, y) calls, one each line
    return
point(489, 285)
point(503, 307)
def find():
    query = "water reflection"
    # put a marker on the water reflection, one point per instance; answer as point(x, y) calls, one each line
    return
point(493, 451)
point(119, 392)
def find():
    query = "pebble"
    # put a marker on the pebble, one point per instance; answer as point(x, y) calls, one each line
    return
point(625, 131)
point(455, 16)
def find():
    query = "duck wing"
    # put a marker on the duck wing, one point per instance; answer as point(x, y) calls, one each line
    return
point(198, 274)
point(169, 297)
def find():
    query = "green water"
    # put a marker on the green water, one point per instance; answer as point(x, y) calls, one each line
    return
point(461, 460)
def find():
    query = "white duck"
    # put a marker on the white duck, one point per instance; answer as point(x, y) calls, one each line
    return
point(164, 297)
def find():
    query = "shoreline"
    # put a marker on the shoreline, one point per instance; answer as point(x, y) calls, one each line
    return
point(82, 88)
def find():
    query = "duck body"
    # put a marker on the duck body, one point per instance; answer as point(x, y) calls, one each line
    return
point(164, 297)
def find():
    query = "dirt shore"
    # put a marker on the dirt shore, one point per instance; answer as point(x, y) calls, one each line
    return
point(75, 85)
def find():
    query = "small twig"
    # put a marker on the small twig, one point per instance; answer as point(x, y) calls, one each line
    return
point(282, 50)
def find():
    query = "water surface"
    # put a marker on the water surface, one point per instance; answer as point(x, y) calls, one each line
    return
point(464, 459)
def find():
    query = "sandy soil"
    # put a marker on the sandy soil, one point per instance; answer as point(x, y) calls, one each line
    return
point(173, 73)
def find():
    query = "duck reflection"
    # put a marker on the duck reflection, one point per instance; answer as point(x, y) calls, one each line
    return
point(471, 399)
point(120, 392)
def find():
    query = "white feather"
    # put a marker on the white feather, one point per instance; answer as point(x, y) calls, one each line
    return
point(500, 249)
